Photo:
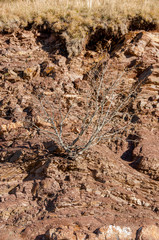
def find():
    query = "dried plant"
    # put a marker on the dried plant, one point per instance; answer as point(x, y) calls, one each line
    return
point(98, 113)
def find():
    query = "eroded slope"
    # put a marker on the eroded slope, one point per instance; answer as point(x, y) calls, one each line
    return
point(115, 183)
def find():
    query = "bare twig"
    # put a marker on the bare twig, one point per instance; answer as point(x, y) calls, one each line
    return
point(102, 109)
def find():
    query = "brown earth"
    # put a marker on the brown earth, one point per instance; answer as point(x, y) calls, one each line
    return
point(110, 191)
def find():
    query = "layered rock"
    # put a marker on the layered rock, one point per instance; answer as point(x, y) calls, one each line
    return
point(44, 194)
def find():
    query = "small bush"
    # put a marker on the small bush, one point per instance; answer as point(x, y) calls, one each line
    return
point(96, 113)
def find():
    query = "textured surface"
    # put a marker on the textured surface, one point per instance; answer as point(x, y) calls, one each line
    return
point(110, 191)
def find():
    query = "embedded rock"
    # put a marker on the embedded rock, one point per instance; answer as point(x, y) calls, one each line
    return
point(31, 72)
point(146, 154)
point(65, 232)
point(147, 233)
point(8, 235)
point(114, 232)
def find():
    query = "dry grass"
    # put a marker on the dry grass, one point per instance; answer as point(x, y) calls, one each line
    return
point(76, 17)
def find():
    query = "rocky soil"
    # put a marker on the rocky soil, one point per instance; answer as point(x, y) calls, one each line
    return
point(109, 192)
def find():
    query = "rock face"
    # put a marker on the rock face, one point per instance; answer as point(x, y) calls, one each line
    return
point(142, 45)
point(74, 232)
point(148, 232)
point(109, 192)
point(146, 152)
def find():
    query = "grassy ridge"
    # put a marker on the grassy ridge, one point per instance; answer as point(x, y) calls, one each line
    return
point(77, 17)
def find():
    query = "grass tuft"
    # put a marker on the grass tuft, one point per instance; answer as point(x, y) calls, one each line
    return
point(77, 17)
